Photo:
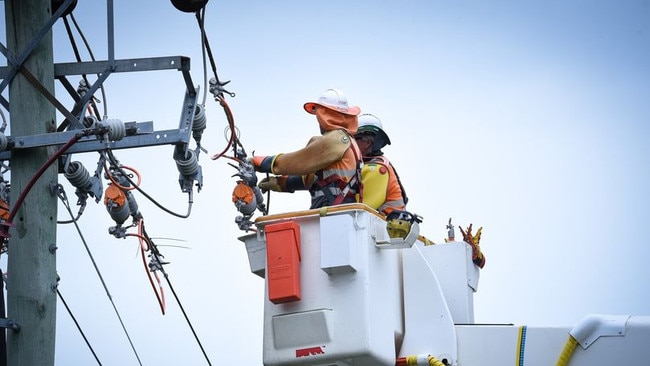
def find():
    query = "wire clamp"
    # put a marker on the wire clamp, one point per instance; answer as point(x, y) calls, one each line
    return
point(217, 88)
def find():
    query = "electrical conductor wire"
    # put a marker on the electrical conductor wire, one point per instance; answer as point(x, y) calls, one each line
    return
point(206, 46)
point(160, 295)
point(92, 57)
point(154, 249)
point(205, 67)
point(116, 164)
point(75, 50)
point(64, 199)
point(90, 347)
point(186, 318)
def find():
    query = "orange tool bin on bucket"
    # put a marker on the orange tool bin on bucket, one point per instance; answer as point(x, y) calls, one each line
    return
point(283, 261)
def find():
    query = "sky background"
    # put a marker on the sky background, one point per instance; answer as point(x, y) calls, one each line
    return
point(530, 119)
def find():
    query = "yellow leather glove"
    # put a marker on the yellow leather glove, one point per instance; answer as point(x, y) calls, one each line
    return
point(276, 183)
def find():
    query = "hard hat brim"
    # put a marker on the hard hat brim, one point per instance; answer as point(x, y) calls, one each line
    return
point(374, 129)
point(351, 111)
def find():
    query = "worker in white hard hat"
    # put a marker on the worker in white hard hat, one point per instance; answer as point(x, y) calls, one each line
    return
point(382, 188)
point(329, 166)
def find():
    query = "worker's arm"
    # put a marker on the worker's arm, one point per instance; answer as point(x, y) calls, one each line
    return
point(320, 152)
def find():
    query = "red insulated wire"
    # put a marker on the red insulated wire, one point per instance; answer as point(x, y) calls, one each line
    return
point(4, 226)
point(232, 158)
point(137, 174)
point(144, 245)
point(160, 294)
point(41, 170)
point(231, 123)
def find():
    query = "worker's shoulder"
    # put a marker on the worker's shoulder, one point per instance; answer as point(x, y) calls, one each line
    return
point(337, 136)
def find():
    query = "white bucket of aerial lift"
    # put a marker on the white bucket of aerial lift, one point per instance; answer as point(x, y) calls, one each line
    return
point(256, 245)
point(256, 250)
point(360, 303)
point(458, 277)
point(350, 311)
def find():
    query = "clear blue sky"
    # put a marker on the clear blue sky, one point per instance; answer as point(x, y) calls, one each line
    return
point(529, 119)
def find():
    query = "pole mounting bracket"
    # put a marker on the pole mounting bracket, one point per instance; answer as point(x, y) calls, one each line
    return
point(9, 323)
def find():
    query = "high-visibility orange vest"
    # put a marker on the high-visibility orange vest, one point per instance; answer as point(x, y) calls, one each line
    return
point(338, 179)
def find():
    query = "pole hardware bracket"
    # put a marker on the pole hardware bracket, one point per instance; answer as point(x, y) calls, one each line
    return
point(9, 323)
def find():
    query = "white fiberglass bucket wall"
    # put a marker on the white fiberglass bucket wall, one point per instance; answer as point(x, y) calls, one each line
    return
point(350, 307)
point(601, 340)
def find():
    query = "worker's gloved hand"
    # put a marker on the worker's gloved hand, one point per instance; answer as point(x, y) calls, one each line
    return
point(263, 164)
point(276, 183)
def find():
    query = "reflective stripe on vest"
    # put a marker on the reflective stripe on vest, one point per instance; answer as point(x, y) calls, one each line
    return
point(389, 206)
point(337, 175)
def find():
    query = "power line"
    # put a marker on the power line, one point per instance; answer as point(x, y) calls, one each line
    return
point(117, 165)
point(64, 199)
point(198, 341)
point(78, 326)
point(157, 265)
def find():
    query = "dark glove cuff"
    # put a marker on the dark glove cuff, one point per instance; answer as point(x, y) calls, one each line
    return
point(295, 183)
point(266, 166)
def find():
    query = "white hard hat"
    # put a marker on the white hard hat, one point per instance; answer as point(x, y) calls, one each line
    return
point(371, 123)
point(335, 100)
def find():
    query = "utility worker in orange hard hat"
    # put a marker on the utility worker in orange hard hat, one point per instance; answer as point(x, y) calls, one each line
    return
point(382, 188)
point(329, 166)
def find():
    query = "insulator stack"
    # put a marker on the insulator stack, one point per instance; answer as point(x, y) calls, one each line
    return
point(200, 122)
point(116, 129)
point(189, 166)
point(78, 176)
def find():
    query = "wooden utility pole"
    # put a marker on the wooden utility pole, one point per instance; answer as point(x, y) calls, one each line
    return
point(31, 269)
point(35, 139)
